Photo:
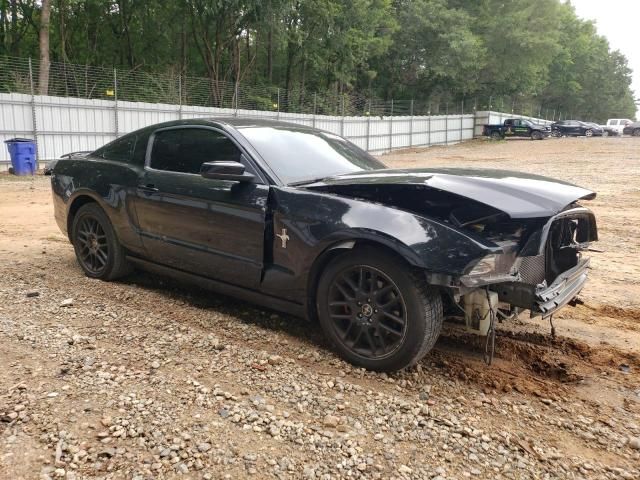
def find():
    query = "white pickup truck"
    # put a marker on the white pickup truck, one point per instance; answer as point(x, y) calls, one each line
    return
point(617, 124)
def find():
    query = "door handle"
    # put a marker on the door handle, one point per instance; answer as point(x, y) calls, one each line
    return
point(148, 188)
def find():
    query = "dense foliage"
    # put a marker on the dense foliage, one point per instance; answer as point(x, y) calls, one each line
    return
point(536, 52)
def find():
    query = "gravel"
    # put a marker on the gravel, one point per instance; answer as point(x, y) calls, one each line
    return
point(147, 379)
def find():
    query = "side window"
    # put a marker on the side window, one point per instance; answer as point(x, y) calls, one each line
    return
point(120, 150)
point(184, 150)
point(613, 122)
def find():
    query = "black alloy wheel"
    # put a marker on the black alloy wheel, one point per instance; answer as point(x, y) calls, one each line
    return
point(496, 136)
point(378, 312)
point(96, 245)
point(367, 311)
point(93, 249)
point(536, 135)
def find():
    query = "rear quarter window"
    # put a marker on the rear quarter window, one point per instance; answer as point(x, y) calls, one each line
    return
point(120, 150)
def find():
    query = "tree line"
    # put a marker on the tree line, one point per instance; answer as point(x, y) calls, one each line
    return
point(421, 50)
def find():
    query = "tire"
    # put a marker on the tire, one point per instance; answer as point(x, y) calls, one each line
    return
point(605, 134)
point(588, 133)
point(384, 331)
point(98, 251)
point(555, 133)
point(496, 136)
point(535, 135)
point(636, 132)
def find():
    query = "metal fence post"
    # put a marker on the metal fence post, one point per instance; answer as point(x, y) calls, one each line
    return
point(429, 127)
point(115, 94)
point(235, 114)
point(411, 125)
point(461, 115)
point(34, 120)
point(391, 128)
point(180, 95)
point(314, 109)
point(368, 125)
point(342, 118)
point(446, 125)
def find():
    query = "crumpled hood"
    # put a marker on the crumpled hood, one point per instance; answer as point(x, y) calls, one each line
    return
point(519, 195)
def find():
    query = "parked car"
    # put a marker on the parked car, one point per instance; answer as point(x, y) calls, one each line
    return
point(610, 131)
point(516, 127)
point(598, 131)
point(618, 124)
point(632, 129)
point(303, 221)
point(574, 128)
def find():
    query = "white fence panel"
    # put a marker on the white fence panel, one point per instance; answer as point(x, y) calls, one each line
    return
point(64, 125)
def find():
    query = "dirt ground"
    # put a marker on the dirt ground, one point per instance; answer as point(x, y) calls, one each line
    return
point(145, 378)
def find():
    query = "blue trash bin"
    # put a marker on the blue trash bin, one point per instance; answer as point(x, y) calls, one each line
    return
point(23, 155)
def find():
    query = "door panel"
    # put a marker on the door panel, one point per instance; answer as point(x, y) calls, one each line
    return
point(209, 227)
point(205, 226)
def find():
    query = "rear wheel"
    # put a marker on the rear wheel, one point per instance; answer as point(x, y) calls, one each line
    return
point(377, 312)
point(636, 132)
point(588, 133)
point(496, 136)
point(96, 245)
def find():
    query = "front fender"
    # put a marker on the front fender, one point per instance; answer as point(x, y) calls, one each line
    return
point(315, 221)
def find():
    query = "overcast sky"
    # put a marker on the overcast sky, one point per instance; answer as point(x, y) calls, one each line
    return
point(619, 21)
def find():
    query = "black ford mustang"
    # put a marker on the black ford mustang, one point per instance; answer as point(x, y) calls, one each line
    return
point(304, 221)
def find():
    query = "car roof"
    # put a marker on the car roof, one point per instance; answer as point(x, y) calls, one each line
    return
point(235, 122)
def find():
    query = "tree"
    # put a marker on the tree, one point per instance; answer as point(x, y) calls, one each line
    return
point(430, 51)
point(43, 78)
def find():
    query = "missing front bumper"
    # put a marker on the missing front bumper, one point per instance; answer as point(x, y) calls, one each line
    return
point(562, 291)
point(542, 299)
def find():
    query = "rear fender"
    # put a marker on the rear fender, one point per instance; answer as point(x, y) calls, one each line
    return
point(111, 185)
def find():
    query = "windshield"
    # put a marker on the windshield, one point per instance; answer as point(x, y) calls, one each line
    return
point(302, 155)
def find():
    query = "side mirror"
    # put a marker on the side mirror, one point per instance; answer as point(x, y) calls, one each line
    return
point(225, 170)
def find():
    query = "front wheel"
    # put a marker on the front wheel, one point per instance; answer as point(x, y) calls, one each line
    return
point(378, 313)
point(536, 135)
point(636, 132)
point(588, 133)
point(97, 248)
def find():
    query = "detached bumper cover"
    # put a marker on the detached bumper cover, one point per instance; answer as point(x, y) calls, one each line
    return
point(562, 290)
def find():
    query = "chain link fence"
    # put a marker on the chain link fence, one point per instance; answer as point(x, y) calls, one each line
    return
point(20, 75)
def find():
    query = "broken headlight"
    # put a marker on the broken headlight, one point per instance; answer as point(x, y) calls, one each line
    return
point(485, 266)
point(492, 268)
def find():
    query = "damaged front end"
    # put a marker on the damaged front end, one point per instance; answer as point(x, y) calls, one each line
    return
point(532, 230)
point(541, 273)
